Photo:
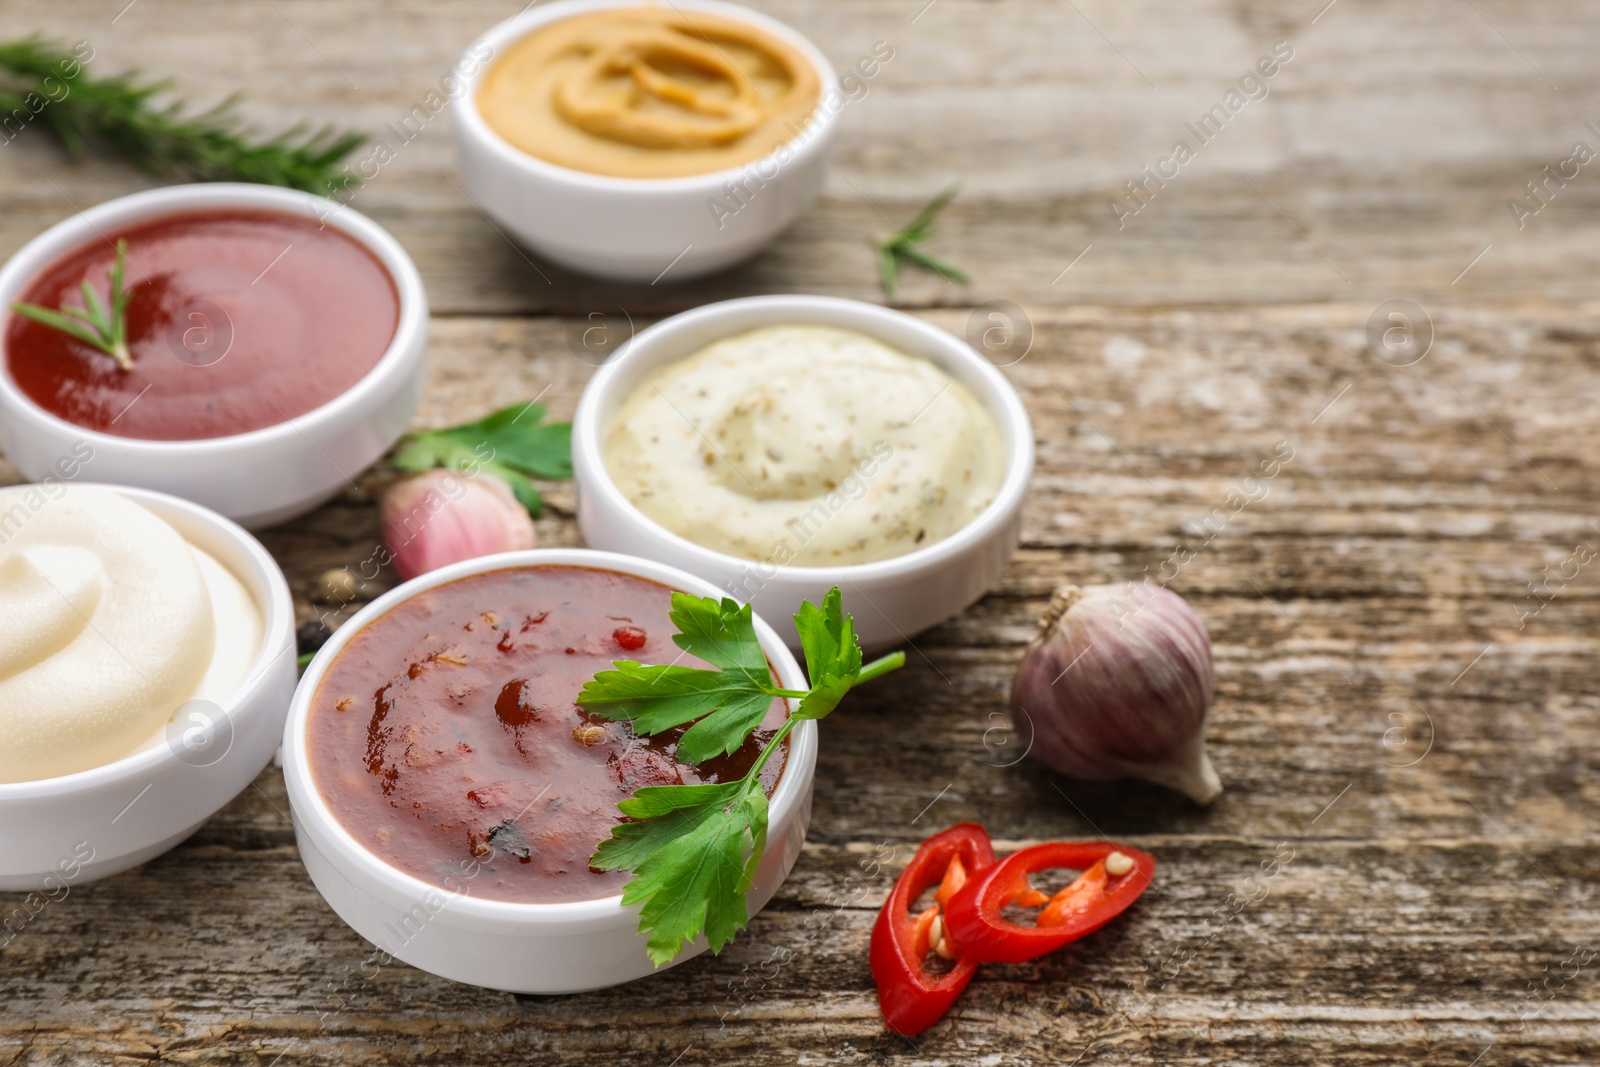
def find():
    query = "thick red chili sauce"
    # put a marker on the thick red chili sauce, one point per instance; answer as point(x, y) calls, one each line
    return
point(238, 320)
point(445, 739)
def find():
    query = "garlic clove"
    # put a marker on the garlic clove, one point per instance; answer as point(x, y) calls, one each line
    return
point(444, 516)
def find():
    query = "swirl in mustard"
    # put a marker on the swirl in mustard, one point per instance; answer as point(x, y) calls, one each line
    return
point(649, 93)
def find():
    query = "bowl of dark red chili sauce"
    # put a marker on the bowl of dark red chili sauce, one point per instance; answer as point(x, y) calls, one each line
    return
point(270, 346)
point(449, 792)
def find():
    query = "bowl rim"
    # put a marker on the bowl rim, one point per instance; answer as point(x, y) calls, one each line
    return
point(85, 226)
point(277, 616)
point(1011, 420)
point(348, 853)
point(812, 137)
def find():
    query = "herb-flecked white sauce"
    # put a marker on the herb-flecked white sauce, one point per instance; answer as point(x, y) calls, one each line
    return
point(805, 446)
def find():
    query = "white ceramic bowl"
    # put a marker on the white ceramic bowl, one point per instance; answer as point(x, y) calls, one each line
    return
point(892, 600)
point(258, 478)
point(524, 948)
point(635, 229)
point(61, 832)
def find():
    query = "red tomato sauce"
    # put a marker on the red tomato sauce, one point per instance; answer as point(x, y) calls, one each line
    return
point(445, 739)
point(237, 320)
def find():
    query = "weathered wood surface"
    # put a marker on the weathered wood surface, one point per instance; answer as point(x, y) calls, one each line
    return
point(1384, 574)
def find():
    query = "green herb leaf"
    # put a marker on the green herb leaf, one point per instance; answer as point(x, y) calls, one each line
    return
point(512, 444)
point(519, 438)
point(888, 270)
point(901, 246)
point(663, 812)
point(694, 849)
point(103, 328)
point(833, 656)
point(94, 307)
point(696, 882)
point(922, 225)
point(915, 255)
point(729, 703)
point(723, 633)
point(417, 455)
point(57, 321)
point(521, 488)
point(121, 113)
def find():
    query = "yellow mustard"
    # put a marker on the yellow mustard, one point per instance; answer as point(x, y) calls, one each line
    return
point(649, 92)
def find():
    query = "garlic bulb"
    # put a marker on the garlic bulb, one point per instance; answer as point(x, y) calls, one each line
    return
point(444, 516)
point(1116, 684)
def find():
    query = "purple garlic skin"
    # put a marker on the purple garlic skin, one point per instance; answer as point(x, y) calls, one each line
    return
point(1117, 684)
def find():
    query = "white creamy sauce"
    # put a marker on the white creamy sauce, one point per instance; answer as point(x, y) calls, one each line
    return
point(109, 622)
point(805, 446)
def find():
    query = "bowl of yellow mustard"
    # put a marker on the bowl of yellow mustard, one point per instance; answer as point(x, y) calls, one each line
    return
point(641, 141)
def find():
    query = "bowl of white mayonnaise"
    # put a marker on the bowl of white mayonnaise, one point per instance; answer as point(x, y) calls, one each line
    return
point(147, 661)
point(777, 446)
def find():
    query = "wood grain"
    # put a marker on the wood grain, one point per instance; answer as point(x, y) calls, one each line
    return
point(1439, 874)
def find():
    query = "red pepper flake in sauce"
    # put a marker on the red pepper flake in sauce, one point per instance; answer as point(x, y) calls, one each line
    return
point(476, 769)
point(630, 638)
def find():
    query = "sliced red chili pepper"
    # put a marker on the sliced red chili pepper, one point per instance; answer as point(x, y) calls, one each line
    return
point(955, 876)
point(973, 916)
point(912, 997)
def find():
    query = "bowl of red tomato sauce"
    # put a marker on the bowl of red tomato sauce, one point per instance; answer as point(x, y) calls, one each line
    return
point(448, 792)
point(272, 347)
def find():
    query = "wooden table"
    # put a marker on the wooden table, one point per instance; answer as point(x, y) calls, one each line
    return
point(1386, 709)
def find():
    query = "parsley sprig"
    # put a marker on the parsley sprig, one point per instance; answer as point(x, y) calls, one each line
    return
point(901, 246)
point(513, 444)
point(694, 849)
point(102, 326)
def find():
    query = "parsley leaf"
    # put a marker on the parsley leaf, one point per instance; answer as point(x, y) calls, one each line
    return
point(721, 633)
point(833, 657)
point(688, 859)
point(694, 849)
point(513, 444)
point(660, 813)
point(729, 703)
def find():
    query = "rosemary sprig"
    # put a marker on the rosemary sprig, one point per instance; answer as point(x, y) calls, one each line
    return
point(120, 112)
point(901, 246)
point(95, 324)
